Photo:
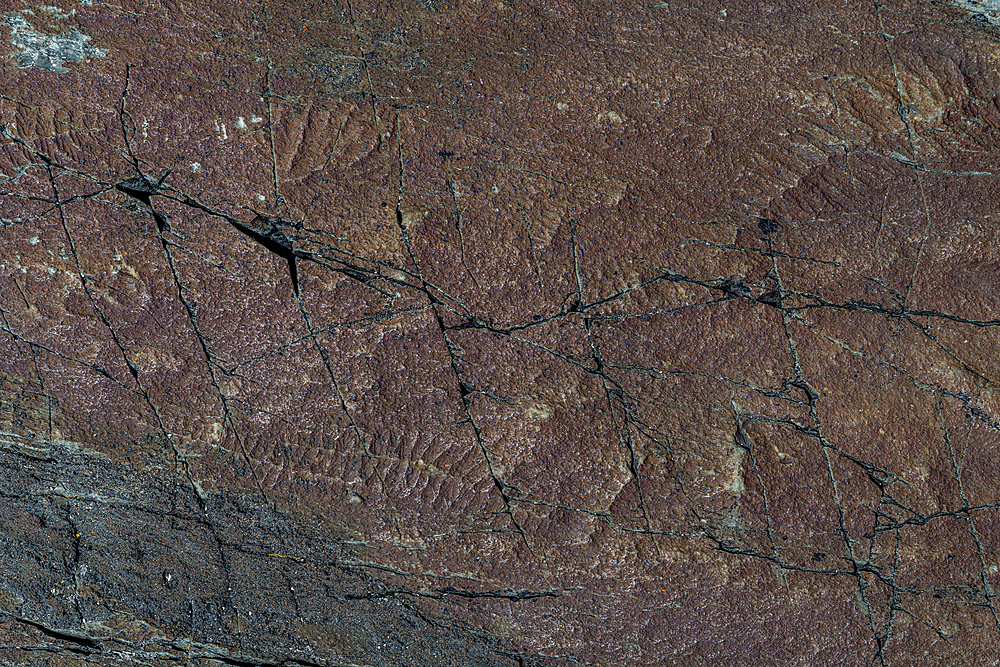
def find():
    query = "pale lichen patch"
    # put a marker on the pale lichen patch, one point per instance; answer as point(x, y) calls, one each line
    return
point(48, 52)
point(734, 465)
point(56, 12)
point(982, 9)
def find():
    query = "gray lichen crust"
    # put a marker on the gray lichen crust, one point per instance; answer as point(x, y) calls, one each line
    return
point(986, 9)
point(48, 52)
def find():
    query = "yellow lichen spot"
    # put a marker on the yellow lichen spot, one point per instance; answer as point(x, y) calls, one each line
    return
point(540, 411)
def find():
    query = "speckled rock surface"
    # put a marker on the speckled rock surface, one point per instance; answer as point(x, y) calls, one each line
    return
point(560, 333)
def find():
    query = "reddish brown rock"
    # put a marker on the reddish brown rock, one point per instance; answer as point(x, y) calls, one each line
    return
point(613, 333)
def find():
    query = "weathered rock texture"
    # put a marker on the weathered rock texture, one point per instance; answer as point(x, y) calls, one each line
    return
point(103, 561)
point(464, 332)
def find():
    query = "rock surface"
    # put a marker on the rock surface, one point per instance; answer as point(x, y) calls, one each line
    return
point(385, 333)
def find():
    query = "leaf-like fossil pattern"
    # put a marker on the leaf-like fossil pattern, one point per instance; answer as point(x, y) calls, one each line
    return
point(499, 332)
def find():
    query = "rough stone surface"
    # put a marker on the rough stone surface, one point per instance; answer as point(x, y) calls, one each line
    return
point(571, 332)
point(102, 561)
